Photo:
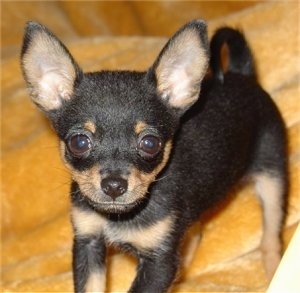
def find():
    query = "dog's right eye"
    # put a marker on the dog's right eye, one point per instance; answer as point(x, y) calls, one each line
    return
point(79, 145)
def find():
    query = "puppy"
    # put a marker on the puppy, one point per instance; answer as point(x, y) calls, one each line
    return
point(148, 156)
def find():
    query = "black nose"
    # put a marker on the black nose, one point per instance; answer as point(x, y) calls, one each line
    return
point(114, 186)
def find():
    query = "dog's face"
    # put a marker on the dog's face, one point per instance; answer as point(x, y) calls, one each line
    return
point(116, 143)
point(115, 128)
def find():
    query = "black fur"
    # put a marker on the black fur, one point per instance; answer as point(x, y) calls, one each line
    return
point(232, 131)
point(240, 56)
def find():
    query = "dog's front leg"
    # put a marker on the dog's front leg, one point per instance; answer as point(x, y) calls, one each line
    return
point(156, 271)
point(88, 250)
point(89, 264)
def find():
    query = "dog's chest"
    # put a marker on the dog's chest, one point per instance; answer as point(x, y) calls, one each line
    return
point(141, 237)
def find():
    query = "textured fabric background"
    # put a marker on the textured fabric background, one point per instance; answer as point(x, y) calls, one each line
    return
point(36, 233)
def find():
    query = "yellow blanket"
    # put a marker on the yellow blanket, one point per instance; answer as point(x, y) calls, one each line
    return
point(36, 232)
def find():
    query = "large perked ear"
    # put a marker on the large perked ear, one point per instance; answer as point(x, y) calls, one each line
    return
point(48, 67)
point(182, 64)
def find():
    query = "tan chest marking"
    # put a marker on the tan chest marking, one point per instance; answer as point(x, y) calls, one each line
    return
point(141, 238)
point(88, 223)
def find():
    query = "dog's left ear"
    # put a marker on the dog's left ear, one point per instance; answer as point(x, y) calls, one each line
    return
point(181, 66)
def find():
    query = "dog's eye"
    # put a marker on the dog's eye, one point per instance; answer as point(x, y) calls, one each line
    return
point(149, 146)
point(79, 144)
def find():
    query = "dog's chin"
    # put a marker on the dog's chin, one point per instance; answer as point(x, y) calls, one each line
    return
point(128, 203)
point(115, 207)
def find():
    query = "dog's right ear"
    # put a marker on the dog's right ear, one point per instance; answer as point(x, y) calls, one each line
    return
point(49, 69)
point(181, 66)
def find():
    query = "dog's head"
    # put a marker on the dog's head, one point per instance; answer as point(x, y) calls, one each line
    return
point(115, 127)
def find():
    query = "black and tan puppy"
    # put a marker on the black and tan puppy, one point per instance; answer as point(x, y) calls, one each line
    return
point(147, 157)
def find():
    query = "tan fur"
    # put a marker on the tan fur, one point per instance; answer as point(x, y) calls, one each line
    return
point(141, 238)
point(51, 75)
point(167, 151)
point(92, 223)
point(140, 127)
point(224, 57)
point(181, 84)
point(270, 189)
point(90, 125)
point(191, 242)
point(86, 222)
point(140, 181)
point(88, 180)
point(95, 282)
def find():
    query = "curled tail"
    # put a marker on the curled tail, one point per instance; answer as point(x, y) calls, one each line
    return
point(230, 53)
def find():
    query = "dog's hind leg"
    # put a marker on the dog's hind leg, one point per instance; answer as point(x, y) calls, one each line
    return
point(270, 170)
point(271, 190)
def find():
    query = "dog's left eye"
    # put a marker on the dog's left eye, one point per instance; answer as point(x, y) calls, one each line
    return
point(149, 146)
point(79, 144)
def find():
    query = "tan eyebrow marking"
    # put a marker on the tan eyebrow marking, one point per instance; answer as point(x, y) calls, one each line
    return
point(140, 126)
point(89, 125)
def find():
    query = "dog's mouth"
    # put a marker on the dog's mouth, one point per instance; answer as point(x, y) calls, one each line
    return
point(113, 207)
